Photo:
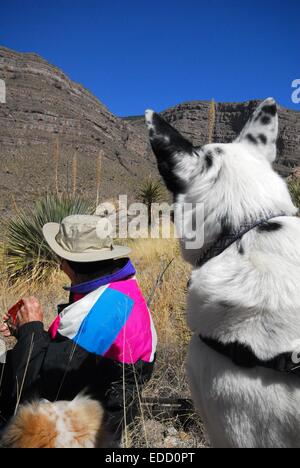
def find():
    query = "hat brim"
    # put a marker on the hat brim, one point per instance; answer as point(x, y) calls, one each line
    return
point(50, 232)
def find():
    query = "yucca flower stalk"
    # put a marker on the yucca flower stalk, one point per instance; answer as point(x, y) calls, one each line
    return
point(98, 176)
point(74, 173)
point(211, 121)
point(56, 164)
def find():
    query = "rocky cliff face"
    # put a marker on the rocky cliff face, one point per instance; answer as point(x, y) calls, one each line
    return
point(44, 107)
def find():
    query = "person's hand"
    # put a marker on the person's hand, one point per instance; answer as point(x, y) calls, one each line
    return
point(31, 311)
point(4, 328)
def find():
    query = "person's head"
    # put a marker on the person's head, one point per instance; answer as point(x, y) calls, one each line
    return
point(83, 272)
point(85, 247)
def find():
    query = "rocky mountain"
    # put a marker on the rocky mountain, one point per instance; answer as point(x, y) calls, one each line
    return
point(45, 110)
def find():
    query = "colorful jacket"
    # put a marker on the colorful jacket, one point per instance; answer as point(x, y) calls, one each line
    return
point(112, 320)
point(103, 336)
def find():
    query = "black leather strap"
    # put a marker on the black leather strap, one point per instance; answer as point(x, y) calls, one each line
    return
point(243, 356)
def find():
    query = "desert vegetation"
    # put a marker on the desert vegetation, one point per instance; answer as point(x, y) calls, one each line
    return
point(150, 257)
point(149, 192)
point(211, 121)
point(25, 252)
point(27, 267)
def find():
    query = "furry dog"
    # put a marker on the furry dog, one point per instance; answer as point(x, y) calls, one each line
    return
point(75, 424)
point(248, 294)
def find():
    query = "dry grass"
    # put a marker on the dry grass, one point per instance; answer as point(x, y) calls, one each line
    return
point(168, 309)
point(151, 257)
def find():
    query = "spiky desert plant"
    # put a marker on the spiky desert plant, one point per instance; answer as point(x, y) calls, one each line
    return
point(150, 192)
point(26, 252)
point(211, 121)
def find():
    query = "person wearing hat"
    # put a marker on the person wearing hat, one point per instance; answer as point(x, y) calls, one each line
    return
point(102, 342)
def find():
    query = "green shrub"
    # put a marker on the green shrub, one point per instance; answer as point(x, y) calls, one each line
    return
point(26, 252)
point(151, 191)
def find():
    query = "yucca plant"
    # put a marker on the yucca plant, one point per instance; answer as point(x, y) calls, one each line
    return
point(151, 191)
point(26, 252)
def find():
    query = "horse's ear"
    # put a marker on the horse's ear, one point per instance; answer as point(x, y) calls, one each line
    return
point(261, 131)
point(175, 155)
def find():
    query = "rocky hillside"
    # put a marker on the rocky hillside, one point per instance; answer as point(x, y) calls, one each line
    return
point(45, 108)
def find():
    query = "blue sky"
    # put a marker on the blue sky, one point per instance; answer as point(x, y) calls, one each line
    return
point(136, 54)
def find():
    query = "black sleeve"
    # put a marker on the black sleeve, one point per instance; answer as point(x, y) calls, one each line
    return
point(23, 366)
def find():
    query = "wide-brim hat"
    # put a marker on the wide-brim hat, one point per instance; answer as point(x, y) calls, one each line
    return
point(83, 239)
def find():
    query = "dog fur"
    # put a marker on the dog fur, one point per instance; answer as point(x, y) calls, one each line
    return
point(75, 424)
point(251, 292)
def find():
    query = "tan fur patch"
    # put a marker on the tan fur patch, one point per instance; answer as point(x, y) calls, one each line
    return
point(76, 424)
point(30, 430)
point(85, 423)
